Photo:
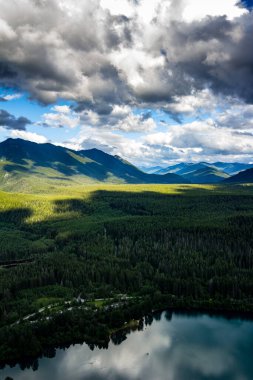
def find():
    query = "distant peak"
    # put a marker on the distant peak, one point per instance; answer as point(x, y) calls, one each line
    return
point(17, 140)
point(92, 150)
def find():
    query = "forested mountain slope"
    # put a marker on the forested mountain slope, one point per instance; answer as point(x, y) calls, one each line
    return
point(245, 176)
point(23, 162)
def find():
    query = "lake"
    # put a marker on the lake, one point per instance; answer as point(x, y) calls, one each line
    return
point(171, 346)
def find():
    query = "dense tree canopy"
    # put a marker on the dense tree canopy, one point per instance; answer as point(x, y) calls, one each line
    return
point(193, 248)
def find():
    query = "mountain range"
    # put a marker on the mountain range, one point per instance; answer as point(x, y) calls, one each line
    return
point(21, 161)
point(25, 164)
point(203, 172)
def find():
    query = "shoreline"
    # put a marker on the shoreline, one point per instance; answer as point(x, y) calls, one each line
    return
point(132, 325)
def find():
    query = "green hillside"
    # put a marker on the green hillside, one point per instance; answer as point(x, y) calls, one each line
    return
point(206, 175)
point(245, 176)
point(27, 166)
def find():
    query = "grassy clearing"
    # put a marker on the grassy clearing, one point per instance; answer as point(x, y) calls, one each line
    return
point(97, 303)
point(46, 301)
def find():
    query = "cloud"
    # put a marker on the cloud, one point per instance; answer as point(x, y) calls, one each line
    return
point(239, 117)
point(201, 140)
point(29, 136)
point(188, 142)
point(9, 97)
point(54, 53)
point(118, 66)
point(196, 105)
point(9, 121)
point(62, 109)
point(12, 96)
point(120, 118)
point(195, 10)
point(130, 54)
point(62, 116)
point(110, 142)
point(6, 32)
point(193, 140)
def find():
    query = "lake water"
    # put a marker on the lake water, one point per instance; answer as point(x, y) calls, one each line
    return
point(172, 347)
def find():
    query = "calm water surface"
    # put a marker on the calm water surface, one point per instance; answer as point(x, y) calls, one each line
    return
point(173, 347)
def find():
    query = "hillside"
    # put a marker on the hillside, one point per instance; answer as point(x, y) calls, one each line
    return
point(245, 176)
point(123, 170)
point(183, 168)
point(206, 175)
point(231, 168)
point(200, 172)
point(25, 165)
point(150, 169)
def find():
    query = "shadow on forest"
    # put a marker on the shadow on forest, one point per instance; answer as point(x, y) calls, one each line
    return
point(119, 214)
point(113, 199)
point(185, 199)
point(109, 206)
point(16, 216)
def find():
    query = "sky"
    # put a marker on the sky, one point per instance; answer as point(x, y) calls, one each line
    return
point(154, 81)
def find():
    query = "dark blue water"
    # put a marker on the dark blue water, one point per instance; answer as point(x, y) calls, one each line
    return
point(173, 347)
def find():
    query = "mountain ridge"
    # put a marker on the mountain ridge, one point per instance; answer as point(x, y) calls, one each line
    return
point(204, 172)
point(206, 175)
point(245, 176)
point(21, 158)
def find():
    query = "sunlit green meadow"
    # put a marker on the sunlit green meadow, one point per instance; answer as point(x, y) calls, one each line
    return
point(45, 206)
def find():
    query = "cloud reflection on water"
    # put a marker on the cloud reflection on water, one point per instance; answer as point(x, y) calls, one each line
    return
point(183, 348)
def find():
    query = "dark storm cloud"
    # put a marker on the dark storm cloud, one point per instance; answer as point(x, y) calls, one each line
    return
point(101, 108)
point(6, 71)
point(9, 121)
point(219, 54)
point(213, 53)
point(81, 52)
point(49, 55)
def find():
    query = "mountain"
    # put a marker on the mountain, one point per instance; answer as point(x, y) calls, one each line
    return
point(203, 172)
point(200, 172)
point(245, 176)
point(183, 168)
point(124, 170)
point(24, 161)
point(231, 167)
point(151, 169)
point(171, 169)
point(206, 175)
